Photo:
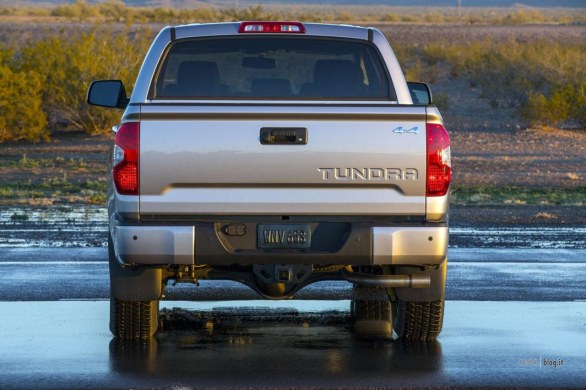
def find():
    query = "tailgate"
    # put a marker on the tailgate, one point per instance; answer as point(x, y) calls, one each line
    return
point(209, 160)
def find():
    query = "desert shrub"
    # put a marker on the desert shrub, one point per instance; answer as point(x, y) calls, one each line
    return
point(501, 81)
point(523, 71)
point(171, 16)
point(115, 10)
point(415, 70)
point(441, 100)
point(433, 17)
point(160, 15)
point(544, 80)
point(21, 116)
point(251, 13)
point(344, 16)
point(67, 66)
point(409, 18)
point(391, 17)
point(203, 14)
point(523, 16)
point(415, 66)
point(4, 11)
point(564, 103)
point(80, 10)
point(462, 59)
point(418, 70)
point(309, 17)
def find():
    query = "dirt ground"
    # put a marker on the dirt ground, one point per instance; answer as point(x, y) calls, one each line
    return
point(494, 146)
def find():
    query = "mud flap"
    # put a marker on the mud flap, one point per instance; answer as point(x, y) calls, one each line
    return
point(436, 292)
point(143, 284)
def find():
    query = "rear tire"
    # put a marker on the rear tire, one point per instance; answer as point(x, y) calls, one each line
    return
point(134, 320)
point(418, 321)
point(371, 312)
point(130, 320)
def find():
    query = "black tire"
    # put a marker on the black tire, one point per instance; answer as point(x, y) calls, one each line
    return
point(130, 320)
point(371, 312)
point(134, 320)
point(418, 321)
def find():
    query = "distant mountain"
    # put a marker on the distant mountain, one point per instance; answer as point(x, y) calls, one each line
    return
point(402, 3)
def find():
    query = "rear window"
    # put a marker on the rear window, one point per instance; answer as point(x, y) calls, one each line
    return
point(261, 67)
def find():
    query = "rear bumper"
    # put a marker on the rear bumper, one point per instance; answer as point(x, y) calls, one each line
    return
point(354, 244)
point(154, 244)
point(409, 245)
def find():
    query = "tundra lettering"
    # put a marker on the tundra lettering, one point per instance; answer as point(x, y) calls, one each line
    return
point(369, 173)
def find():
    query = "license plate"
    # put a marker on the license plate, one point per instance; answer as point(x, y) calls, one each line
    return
point(283, 236)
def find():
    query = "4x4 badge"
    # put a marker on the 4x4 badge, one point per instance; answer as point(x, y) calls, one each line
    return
point(401, 130)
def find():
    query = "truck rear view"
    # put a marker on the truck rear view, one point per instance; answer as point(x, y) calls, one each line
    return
point(278, 154)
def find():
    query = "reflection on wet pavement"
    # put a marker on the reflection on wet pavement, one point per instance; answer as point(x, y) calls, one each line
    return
point(519, 237)
point(67, 345)
point(279, 354)
point(271, 346)
point(55, 226)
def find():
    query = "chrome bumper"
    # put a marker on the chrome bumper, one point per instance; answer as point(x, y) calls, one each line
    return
point(409, 245)
point(155, 244)
point(176, 245)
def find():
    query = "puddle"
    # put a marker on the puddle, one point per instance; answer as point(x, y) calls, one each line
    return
point(520, 237)
point(86, 226)
point(54, 215)
point(62, 226)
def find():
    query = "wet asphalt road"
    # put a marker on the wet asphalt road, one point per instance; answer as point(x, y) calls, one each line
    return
point(507, 344)
point(47, 274)
point(511, 314)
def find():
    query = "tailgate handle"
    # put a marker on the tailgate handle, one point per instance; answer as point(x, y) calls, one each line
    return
point(283, 136)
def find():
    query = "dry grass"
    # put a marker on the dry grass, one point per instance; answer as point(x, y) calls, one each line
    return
point(116, 11)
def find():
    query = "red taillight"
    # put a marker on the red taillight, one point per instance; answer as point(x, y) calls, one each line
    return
point(439, 163)
point(126, 151)
point(272, 27)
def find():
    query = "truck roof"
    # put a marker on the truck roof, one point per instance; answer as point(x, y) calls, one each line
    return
point(231, 28)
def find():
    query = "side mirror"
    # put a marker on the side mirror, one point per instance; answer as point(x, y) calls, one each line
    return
point(420, 93)
point(107, 93)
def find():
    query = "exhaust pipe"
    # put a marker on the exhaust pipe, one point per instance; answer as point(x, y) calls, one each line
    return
point(388, 281)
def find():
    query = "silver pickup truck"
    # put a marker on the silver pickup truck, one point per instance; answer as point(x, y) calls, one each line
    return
point(278, 154)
